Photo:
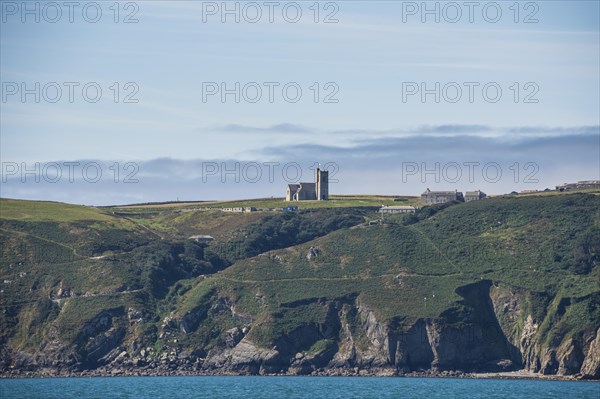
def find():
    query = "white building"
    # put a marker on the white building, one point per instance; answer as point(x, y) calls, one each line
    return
point(397, 209)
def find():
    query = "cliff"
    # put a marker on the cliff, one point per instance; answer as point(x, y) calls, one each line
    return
point(496, 285)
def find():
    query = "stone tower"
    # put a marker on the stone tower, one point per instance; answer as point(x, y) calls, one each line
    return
point(322, 184)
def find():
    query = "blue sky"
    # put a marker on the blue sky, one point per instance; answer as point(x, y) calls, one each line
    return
point(370, 56)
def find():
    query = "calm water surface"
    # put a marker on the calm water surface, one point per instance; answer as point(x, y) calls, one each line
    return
point(292, 387)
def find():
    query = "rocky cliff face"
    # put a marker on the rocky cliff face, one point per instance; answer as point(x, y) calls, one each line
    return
point(353, 338)
point(591, 364)
point(315, 291)
point(501, 333)
point(546, 352)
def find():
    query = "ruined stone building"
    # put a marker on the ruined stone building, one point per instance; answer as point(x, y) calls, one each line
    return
point(319, 190)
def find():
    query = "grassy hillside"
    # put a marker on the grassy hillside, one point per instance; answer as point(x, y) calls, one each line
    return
point(408, 271)
point(63, 265)
point(37, 211)
point(65, 268)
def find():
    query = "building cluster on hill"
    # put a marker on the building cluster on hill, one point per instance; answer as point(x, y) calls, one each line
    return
point(240, 209)
point(436, 197)
point(440, 197)
point(580, 185)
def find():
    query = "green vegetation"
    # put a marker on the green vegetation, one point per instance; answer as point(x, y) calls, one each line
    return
point(36, 211)
point(406, 270)
point(283, 274)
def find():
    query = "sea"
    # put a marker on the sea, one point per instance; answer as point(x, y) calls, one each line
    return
point(293, 387)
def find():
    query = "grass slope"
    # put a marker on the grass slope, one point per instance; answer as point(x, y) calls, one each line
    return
point(405, 271)
point(64, 265)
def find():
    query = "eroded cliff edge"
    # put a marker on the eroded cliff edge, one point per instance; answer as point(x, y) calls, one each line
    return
point(492, 330)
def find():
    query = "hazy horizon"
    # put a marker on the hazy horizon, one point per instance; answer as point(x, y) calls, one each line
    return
point(162, 88)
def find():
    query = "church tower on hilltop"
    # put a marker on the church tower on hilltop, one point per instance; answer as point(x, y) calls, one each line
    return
point(322, 184)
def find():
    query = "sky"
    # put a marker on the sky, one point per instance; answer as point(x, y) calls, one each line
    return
point(110, 103)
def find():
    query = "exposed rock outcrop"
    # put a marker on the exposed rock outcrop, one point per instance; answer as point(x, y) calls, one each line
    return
point(495, 332)
point(561, 355)
point(591, 365)
point(244, 358)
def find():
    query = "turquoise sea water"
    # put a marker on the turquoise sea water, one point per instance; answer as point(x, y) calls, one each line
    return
point(292, 387)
